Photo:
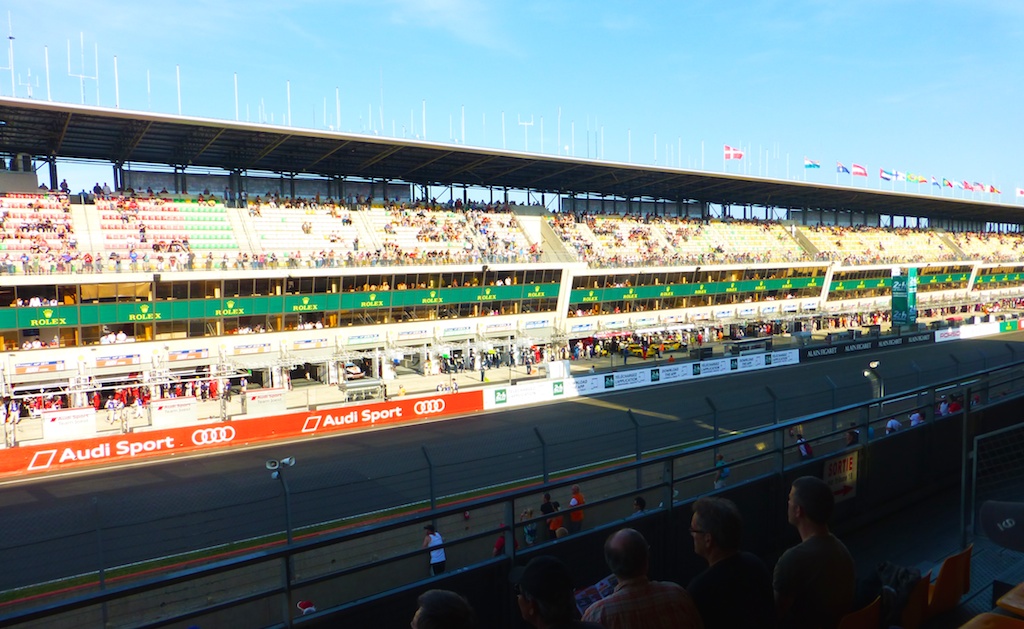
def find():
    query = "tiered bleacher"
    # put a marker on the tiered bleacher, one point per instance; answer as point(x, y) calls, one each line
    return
point(38, 235)
point(991, 247)
point(869, 245)
point(631, 240)
point(164, 225)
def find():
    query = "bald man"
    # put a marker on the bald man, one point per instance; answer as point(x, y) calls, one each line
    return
point(638, 602)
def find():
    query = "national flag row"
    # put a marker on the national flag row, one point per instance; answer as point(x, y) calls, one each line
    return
point(856, 170)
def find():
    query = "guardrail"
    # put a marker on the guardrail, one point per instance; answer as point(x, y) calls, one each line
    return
point(344, 568)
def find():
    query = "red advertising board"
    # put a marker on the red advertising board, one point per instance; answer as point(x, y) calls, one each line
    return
point(130, 447)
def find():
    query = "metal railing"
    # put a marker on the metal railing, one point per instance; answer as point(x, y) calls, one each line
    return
point(342, 568)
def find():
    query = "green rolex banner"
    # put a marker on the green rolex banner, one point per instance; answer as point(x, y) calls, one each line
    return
point(904, 298)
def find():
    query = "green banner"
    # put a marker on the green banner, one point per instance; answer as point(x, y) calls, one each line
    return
point(904, 298)
point(669, 291)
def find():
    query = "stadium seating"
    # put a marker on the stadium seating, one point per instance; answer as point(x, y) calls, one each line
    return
point(204, 226)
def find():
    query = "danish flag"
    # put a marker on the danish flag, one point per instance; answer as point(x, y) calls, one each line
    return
point(733, 153)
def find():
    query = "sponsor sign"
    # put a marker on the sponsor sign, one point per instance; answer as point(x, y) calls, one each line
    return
point(581, 327)
point(904, 298)
point(981, 329)
point(360, 339)
point(309, 344)
point(789, 307)
point(171, 412)
point(40, 367)
point(215, 436)
point(769, 309)
point(69, 424)
point(409, 335)
point(950, 334)
point(264, 401)
point(747, 311)
point(810, 305)
point(117, 361)
point(841, 475)
point(187, 354)
point(255, 348)
point(532, 325)
point(461, 330)
point(726, 313)
point(492, 328)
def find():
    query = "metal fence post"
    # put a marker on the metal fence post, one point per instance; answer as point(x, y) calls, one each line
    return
point(636, 445)
point(835, 390)
point(714, 415)
point(99, 553)
point(430, 478)
point(775, 404)
point(543, 454)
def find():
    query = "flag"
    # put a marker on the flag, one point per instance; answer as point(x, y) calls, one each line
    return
point(733, 153)
point(959, 184)
point(808, 163)
point(994, 190)
point(1020, 192)
point(900, 175)
point(842, 169)
point(916, 178)
point(947, 182)
point(859, 171)
point(935, 182)
point(979, 187)
point(884, 174)
point(967, 185)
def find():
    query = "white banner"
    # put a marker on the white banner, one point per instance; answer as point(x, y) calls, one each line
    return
point(173, 412)
point(69, 424)
point(263, 402)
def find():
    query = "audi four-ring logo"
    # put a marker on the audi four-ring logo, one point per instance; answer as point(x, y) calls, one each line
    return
point(427, 407)
point(210, 436)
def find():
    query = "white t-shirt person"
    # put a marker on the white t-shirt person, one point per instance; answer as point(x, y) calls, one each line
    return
point(433, 541)
point(892, 426)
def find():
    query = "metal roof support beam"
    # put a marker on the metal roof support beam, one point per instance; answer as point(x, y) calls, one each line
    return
point(207, 145)
point(134, 142)
point(63, 133)
point(380, 156)
point(269, 149)
point(334, 150)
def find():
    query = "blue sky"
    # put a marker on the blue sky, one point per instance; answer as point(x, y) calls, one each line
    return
point(932, 88)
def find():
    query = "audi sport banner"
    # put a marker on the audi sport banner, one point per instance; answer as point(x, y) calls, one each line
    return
point(175, 411)
point(71, 423)
point(217, 435)
point(263, 402)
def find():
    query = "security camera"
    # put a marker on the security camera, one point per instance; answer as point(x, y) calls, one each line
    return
point(273, 464)
point(289, 461)
point(275, 475)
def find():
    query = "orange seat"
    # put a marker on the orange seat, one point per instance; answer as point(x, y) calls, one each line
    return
point(866, 618)
point(916, 609)
point(988, 620)
point(953, 581)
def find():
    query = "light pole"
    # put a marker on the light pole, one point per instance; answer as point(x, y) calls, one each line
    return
point(877, 383)
point(276, 468)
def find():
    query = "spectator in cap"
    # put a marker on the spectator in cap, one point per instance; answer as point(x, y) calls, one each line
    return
point(544, 592)
point(443, 609)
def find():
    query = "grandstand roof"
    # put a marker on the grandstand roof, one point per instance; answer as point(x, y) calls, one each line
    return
point(71, 131)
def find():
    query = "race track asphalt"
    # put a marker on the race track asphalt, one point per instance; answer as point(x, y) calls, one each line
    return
point(72, 524)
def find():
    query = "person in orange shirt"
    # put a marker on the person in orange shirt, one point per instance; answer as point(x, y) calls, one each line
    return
point(576, 517)
point(556, 520)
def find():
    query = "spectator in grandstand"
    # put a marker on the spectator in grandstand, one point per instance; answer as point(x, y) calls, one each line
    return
point(546, 508)
point(544, 593)
point(736, 589)
point(576, 517)
point(433, 541)
point(721, 471)
point(638, 602)
point(814, 581)
point(916, 418)
point(892, 425)
point(639, 508)
point(443, 609)
point(806, 452)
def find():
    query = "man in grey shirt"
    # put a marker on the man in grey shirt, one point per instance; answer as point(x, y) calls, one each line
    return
point(815, 580)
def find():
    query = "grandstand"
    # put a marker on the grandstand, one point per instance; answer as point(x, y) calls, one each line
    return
point(355, 266)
